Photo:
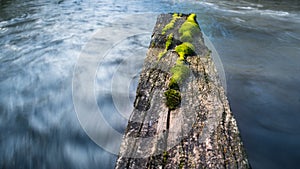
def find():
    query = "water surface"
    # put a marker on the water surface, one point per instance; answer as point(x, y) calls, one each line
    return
point(41, 41)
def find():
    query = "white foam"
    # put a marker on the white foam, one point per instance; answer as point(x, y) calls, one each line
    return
point(246, 7)
point(274, 13)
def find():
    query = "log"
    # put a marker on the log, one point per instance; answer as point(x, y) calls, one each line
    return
point(181, 116)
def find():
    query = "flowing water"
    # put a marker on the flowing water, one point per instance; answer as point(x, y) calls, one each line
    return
point(42, 43)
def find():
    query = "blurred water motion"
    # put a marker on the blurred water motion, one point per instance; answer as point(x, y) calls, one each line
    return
point(41, 41)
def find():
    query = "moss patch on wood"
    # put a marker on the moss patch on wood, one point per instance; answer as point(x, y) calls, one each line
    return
point(170, 25)
point(179, 74)
point(180, 71)
point(173, 98)
point(168, 44)
point(169, 41)
point(189, 28)
point(186, 48)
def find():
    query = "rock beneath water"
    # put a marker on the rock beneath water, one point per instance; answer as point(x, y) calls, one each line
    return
point(181, 116)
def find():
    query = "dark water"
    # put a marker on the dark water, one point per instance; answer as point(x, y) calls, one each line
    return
point(41, 41)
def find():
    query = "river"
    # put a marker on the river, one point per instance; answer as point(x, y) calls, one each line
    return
point(43, 43)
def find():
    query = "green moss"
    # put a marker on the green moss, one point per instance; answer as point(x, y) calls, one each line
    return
point(179, 73)
point(184, 49)
point(169, 41)
point(179, 62)
point(168, 44)
point(186, 37)
point(173, 98)
point(171, 24)
point(191, 17)
point(161, 54)
point(174, 85)
point(190, 25)
point(165, 157)
point(189, 28)
point(152, 45)
point(175, 15)
point(168, 27)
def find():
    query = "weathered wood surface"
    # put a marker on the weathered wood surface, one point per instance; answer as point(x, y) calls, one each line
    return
point(200, 133)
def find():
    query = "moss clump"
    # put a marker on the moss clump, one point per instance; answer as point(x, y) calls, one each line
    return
point(189, 28)
point(186, 36)
point(171, 24)
point(169, 41)
point(190, 25)
point(191, 17)
point(179, 73)
point(174, 85)
point(168, 44)
point(173, 98)
point(184, 49)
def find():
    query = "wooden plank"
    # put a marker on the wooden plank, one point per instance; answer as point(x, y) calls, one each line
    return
point(197, 132)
